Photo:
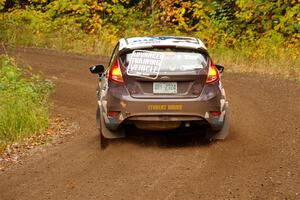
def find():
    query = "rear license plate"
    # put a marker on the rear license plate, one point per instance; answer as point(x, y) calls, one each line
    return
point(164, 87)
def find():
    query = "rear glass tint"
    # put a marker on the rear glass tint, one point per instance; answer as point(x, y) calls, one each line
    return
point(173, 59)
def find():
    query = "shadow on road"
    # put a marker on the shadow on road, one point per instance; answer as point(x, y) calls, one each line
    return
point(184, 137)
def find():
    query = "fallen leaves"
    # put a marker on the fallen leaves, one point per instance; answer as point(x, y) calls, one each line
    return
point(59, 129)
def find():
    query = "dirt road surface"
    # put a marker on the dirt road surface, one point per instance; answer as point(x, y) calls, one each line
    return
point(259, 160)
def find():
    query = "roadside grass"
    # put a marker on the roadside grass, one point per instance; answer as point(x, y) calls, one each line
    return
point(281, 62)
point(33, 29)
point(24, 102)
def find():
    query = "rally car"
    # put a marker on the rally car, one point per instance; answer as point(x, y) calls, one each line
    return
point(160, 83)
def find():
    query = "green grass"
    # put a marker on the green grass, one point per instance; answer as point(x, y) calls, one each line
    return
point(280, 62)
point(24, 102)
point(35, 30)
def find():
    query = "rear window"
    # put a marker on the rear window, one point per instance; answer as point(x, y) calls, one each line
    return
point(168, 59)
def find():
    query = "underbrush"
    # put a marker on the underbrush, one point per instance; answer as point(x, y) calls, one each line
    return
point(277, 60)
point(271, 54)
point(24, 102)
point(36, 29)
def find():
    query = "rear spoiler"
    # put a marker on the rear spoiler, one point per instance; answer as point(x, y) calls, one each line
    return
point(200, 50)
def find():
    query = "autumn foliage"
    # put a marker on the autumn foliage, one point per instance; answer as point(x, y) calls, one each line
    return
point(257, 29)
point(234, 19)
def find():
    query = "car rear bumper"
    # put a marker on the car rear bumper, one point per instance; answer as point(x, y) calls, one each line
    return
point(163, 113)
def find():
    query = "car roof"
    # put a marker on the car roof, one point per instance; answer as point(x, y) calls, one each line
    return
point(148, 42)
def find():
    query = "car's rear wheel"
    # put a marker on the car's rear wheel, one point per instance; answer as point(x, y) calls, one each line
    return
point(103, 141)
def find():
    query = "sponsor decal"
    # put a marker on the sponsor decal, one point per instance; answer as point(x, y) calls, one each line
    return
point(143, 40)
point(145, 64)
point(162, 107)
point(148, 40)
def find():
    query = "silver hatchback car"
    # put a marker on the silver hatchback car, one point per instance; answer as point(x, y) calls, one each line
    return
point(160, 83)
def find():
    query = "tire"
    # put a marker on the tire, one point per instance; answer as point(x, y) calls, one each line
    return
point(209, 135)
point(103, 141)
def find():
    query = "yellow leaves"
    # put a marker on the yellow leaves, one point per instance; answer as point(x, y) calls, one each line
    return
point(245, 4)
point(183, 15)
point(248, 16)
point(2, 3)
point(219, 22)
point(199, 11)
point(97, 7)
point(95, 24)
point(182, 11)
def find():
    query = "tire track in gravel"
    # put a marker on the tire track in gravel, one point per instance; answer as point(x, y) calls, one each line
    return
point(179, 162)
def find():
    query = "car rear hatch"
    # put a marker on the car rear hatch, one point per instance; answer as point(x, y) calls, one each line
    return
point(164, 72)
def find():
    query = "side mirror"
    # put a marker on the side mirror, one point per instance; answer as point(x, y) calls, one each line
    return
point(97, 69)
point(220, 68)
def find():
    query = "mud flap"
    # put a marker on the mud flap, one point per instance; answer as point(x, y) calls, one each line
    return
point(105, 131)
point(223, 133)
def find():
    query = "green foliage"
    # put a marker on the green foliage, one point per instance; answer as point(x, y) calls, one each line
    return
point(24, 102)
point(255, 28)
point(2, 3)
point(232, 19)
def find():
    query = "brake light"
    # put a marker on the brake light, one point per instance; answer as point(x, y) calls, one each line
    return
point(115, 73)
point(213, 74)
point(113, 113)
point(215, 113)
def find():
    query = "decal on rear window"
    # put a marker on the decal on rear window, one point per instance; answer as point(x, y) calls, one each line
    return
point(145, 64)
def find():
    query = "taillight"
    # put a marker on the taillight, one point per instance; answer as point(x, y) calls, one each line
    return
point(215, 113)
point(113, 113)
point(115, 73)
point(213, 74)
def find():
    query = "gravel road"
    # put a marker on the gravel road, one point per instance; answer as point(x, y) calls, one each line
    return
point(259, 160)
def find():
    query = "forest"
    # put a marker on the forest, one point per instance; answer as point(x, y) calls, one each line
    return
point(246, 35)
